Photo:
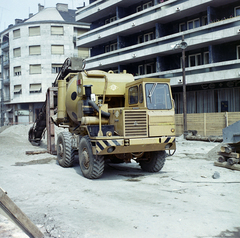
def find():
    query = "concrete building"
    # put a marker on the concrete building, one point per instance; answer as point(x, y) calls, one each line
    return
point(32, 52)
point(142, 37)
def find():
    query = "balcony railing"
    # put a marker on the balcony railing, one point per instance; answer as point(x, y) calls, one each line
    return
point(5, 46)
point(6, 82)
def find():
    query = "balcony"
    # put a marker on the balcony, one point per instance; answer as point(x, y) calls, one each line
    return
point(5, 46)
point(220, 32)
point(6, 64)
point(6, 82)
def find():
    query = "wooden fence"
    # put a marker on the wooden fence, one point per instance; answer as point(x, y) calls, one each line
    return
point(206, 124)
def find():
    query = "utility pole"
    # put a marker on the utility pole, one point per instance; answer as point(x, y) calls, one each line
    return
point(183, 47)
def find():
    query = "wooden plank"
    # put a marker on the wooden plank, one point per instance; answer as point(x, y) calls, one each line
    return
point(13, 212)
point(36, 152)
point(227, 165)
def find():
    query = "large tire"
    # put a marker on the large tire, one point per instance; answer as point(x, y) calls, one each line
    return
point(92, 166)
point(64, 149)
point(154, 162)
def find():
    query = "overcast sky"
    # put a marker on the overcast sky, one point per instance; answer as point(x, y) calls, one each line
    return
point(12, 9)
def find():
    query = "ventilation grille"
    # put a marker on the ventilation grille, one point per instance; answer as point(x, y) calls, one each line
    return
point(135, 124)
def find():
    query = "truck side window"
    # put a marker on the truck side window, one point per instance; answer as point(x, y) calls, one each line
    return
point(140, 93)
point(133, 95)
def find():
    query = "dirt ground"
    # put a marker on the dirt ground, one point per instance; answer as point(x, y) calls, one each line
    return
point(182, 200)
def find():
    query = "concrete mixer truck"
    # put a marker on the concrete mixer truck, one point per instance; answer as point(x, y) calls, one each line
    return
point(113, 117)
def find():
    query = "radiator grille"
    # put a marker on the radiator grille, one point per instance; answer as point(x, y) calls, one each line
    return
point(135, 124)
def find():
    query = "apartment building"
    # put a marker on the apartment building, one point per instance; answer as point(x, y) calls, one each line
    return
point(32, 52)
point(143, 38)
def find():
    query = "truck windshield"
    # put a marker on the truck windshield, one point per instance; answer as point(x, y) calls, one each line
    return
point(158, 96)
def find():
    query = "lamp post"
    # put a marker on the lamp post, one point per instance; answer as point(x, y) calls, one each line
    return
point(183, 45)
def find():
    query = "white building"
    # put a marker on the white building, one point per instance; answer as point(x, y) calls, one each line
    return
point(32, 53)
point(140, 36)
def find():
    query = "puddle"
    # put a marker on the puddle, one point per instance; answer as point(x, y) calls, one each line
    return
point(34, 162)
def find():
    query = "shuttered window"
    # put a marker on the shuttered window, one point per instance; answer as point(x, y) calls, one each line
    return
point(57, 49)
point(35, 69)
point(35, 88)
point(17, 71)
point(35, 50)
point(83, 52)
point(16, 34)
point(57, 30)
point(56, 68)
point(17, 89)
point(17, 52)
point(34, 31)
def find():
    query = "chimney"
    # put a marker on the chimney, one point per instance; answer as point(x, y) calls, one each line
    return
point(40, 7)
point(30, 15)
point(62, 7)
point(17, 21)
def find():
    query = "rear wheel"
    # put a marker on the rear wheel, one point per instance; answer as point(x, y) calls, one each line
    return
point(154, 161)
point(64, 149)
point(92, 166)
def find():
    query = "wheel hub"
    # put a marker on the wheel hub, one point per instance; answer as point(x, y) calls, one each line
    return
point(85, 159)
point(60, 149)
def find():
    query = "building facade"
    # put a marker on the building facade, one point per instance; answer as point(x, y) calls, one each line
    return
point(142, 37)
point(32, 52)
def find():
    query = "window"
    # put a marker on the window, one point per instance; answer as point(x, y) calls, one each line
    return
point(56, 68)
point(17, 89)
point(17, 71)
point(158, 96)
point(57, 49)
point(147, 5)
point(34, 31)
point(148, 36)
point(35, 88)
point(56, 30)
point(182, 27)
point(206, 58)
point(113, 47)
point(138, 8)
point(107, 48)
point(204, 21)
point(140, 70)
point(113, 19)
point(149, 68)
point(194, 60)
point(17, 52)
point(35, 69)
point(193, 24)
point(237, 11)
point(238, 52)
point(133, 95)
point(107, 21)
point(140, 39)
point(16, 34)
point(35, 50)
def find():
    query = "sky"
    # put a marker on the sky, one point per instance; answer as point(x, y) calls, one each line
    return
point(20, 9)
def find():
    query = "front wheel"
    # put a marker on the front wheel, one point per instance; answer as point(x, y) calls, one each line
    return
point(92, 166)
point(154, 161)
